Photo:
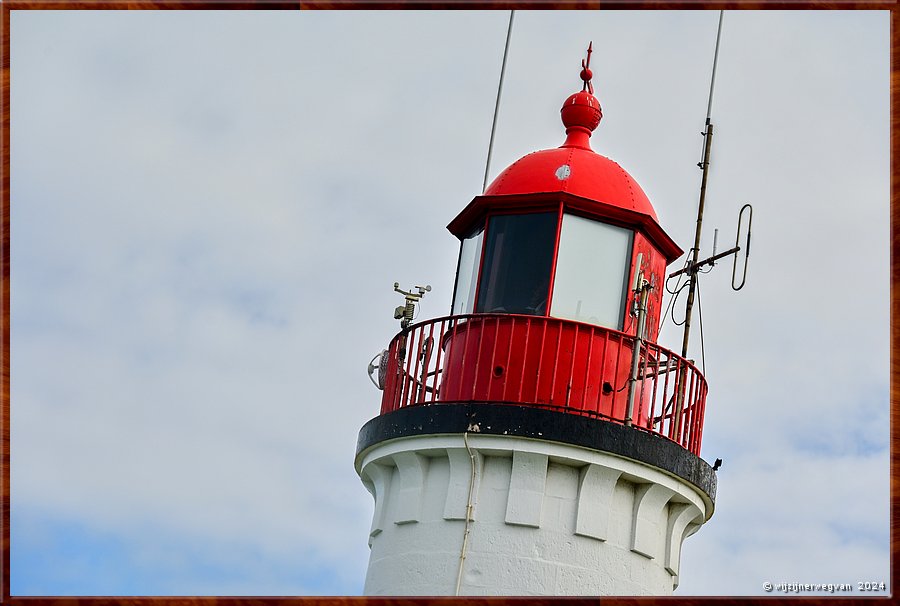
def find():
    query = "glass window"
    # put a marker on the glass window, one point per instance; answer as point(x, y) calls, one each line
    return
point(591, 270)
point(467, 272)
point(518, 257)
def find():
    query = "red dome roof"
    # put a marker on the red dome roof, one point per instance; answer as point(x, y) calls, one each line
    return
point(574, 170)
point(587, 181)
point(574, 167)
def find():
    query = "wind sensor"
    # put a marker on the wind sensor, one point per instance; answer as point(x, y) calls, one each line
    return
point(405, 313)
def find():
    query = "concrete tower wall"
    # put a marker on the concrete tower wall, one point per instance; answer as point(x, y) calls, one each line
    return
point(546, 519)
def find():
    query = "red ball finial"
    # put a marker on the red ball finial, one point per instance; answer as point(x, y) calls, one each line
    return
point(581, 112)
point(586, 73)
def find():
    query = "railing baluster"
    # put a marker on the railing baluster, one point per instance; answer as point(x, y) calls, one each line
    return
point(665, 397)
point(555, 364)
point(524, 360)
point(686, 413)
point(640, 408)
point(490, 372)
point(537, 387)
point(700, 422)
point(670, 429)
point(410, 347)
point(462, 365)
point(386, 393)
point(655, 386)
point(419, 347)
point(695, 414)
point(452, 331)
point(678, 405)
point(694, 403)
point(572, 370)
point(438, 359)
point(695, 445)
point(512, 332)
point(396, 376)
point(602, 369)
point(612, 411)
point(426, 363)
point(391, 400)
point(587, 371)
point(684, 410)
point(479, 346)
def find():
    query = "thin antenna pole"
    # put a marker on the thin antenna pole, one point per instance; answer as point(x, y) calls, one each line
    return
point(487, 166)
point(712, 81)
point(692, 271)
point(705, 166)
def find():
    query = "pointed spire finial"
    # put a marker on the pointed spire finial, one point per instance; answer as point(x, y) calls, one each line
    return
point(586, 73)
point(581, 112)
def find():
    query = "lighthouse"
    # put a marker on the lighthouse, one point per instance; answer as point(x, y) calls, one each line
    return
point(538, 440)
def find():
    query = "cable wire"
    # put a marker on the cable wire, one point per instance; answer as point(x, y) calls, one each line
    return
point(687, 261)
point(487, 166)
point(700, 317)
point(675, 298)
point(674, 293)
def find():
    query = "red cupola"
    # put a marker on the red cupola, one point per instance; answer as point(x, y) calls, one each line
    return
point(557, 298)
point(580, 219)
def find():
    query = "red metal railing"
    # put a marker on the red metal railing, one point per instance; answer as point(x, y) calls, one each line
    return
point(548, 363)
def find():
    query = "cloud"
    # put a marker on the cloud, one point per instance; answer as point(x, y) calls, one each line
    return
point(209, 210)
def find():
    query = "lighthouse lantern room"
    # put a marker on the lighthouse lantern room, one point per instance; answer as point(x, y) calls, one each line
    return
point(538, 441)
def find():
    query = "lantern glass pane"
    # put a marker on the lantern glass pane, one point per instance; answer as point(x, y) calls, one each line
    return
point(518, 258)
point(467, 272)
point(591, 270)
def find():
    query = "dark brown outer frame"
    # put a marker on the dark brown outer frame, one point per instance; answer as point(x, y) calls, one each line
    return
point(10, 5)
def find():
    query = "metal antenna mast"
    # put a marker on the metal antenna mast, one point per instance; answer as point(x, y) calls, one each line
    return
point(695, 251)
point(704, 165)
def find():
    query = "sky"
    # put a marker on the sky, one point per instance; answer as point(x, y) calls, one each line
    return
point(209, 210)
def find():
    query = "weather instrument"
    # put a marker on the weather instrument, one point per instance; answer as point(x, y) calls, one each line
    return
point(405, 313)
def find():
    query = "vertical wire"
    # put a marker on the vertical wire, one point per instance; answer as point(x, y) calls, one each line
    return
point(462, 554)
point(673, 293)
point(487, 166)
point(700, 317)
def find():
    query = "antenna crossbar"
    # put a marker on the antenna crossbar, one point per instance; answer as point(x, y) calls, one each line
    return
point(707, 261)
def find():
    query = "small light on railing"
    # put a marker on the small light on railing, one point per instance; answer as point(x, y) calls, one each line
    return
point(381, 367)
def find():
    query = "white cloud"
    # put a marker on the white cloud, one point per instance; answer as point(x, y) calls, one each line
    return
point(209, 210)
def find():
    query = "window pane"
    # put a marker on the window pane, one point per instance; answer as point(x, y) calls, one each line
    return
point(467, 273)
point(518, 257)
point(591, 272)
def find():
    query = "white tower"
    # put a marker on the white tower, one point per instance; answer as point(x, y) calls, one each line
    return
point(538, 441)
